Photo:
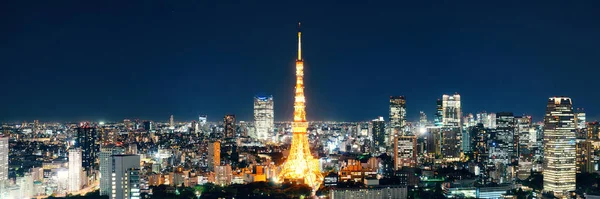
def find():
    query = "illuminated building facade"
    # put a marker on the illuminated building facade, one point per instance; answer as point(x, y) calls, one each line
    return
point(397, 113)
point(214, 155)
point(451, 141)
point(505, 134)
point(525, 154)
point(202, 120)
point(580, 118)
point(585, 157)
point(3, 159)
point(559, 146)
point(300, 165)
point(451, 110)
point(171, 122)
point(75, 170)
point(378, 139)
point(405, 151)
point(125, 177)
point(229, 126)
point(106, 153)
point(593, 130)
point(263, 116)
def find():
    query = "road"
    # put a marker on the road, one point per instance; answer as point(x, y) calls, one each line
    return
point(83, 191)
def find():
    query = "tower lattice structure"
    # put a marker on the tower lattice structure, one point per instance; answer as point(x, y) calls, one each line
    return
point(300, 165)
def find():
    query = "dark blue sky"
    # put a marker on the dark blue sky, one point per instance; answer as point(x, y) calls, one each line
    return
point(109, 60)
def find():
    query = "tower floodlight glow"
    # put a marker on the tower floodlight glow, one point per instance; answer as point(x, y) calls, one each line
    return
point(300, 165)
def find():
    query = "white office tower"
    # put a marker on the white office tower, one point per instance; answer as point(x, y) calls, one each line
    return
point(559, 146)
point(263, 116)
point(202, 120)
point(25, 186)
point(580, 118)
point(75, 170)
point(3, 159)
point(105, 156)
point(124, 177)
point(451, 110)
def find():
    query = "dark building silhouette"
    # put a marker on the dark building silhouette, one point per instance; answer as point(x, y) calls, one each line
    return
point(87, 140)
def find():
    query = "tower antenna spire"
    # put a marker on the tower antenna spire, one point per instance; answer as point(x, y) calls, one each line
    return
point(299, 43)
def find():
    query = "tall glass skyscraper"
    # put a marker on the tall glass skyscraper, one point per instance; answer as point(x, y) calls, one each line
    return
point(263, 116)
point(397, 112)
point(559, 146)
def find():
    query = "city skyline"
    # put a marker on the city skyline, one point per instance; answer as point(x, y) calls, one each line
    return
point(171, 60)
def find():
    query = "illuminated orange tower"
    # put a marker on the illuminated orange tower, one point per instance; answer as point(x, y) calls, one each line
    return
point(300, 164)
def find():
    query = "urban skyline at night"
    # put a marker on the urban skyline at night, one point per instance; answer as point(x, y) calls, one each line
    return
point(393, 100)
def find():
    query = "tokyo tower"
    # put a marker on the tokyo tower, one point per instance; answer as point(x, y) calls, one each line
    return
point(300, 165)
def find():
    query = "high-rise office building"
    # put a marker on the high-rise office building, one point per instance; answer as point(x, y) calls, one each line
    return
point(593, 130)
point(4, 158)
point(378, 132)
point(229, 126)
point(523, 132)
point(451, 110)
point(263, 116)
point(585, 157)
point(171, 122)
point(505, 135)
point(148, 125)
point(202, 120)
point(580, 118)
point(439, 113)
point(75, 170)
point(106, 162)
point(559, 146)
point(451, 141)
point(125, 177)
point(405, 151)
point(214, 155)
point(398, 113)
point(87, 140)
point(422, 119)
point(480, 136)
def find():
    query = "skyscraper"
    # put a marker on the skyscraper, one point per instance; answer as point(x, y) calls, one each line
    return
point(106, 154)
point(524, 152)
point(378, 142)
point(559, 146)
point(580, 118)
point(75, 170)
point(505, 135)
point(405, 151)
point(87, 140)
point(214, 155)
point(451, 110)
point(171, 122)
point(125, 177)
point(397, 113)
point(3, 159)
point(451, 140)
point(449, 117)
point(229, 126)
point(263, 116)
point(422, 119)
point(301, 165)
point(148, 126)
point(439, 113)
point(202, 119)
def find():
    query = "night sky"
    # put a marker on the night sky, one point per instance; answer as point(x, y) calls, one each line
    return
point(109, 60)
